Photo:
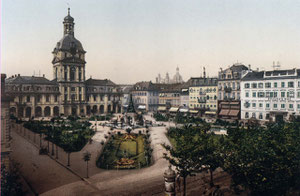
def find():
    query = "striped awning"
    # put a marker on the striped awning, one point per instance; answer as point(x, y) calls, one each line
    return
point(142, 107)
point(233, 112)
point(173, 109)
point(224, 112)
point(162, 108)
point(193, 111)
point(183, 110)
point(210, 112)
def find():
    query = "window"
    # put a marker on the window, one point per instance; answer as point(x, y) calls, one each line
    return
point(291, 106)
point(275, 84)
point(72, 73)
point(247, 94)
point(261, 94)
point(247, 85)
point(260, 105)
point(268, 85)
point(290, 84)
point(282, 106)
point(260, 85)
point(282, 94)
point(28, 98)
point(95, 97)
point(247, 115)
point(267, 116)
point(275, 94)
point(253, 105)
point(47, 98)
point(275, 105)
point(260, 116)
point(267, 105)
point(298, 94)
point(254, 85)
point(73, 89)
point(298, 106)
point(299, 84)
point(254, 94)
point(38, 98)
point(55, 98)
point(66, 97)
point(282, 84)
point(253, 115)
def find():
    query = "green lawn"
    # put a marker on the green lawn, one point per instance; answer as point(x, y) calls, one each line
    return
point(119, 147)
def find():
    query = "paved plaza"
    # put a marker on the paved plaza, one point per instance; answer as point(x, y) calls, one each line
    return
point(55, 179)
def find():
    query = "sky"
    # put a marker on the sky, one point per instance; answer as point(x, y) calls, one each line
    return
point(133, 40)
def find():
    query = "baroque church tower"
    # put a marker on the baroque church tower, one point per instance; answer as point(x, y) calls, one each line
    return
point(69, 70)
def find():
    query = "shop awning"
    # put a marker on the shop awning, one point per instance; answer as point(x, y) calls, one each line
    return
point(193, 111)
point(210, 112)
point(224, 112)
point(142, 107)
point(162, 108)
point(233, 112)
point(183, 110)
point(173, 109)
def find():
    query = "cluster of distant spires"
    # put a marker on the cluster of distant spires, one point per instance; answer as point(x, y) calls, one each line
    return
point(167, 80)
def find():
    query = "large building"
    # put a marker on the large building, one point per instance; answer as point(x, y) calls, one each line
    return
point(145, 96)
point(69, 93)
point(270, 95)
point(229, 105)
point(203, 94)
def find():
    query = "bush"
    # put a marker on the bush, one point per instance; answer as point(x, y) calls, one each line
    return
point(160, 117)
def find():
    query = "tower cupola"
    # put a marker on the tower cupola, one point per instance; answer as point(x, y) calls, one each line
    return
point(68, 24)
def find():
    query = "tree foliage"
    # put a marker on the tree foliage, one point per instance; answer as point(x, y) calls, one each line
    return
point(264, 161)
point(10, 181)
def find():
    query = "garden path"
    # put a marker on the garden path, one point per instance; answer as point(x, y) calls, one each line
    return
point(122, 182)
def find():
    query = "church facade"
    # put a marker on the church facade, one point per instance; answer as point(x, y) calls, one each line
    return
point(69, 93)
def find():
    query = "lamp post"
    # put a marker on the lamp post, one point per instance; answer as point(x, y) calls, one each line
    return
point(169, 177)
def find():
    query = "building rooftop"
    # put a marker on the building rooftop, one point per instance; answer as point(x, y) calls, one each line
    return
point(271, 75)
point(97, 82)
point(29, 80)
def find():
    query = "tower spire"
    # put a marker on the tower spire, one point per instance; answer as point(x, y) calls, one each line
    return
point(68, 11)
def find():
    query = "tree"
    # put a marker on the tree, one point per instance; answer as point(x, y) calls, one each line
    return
point(10, 181)
point(182, 157)
point(86, 158)
point(209, 150)
point(68, 144)
point(266, 161)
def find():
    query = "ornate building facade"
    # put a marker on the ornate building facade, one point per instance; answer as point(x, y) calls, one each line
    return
point(69, 93)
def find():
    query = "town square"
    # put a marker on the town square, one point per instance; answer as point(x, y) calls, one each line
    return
point(134, 98)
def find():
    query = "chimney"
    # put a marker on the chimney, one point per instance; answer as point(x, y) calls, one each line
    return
point(257, 69)
point(43, 75)
point(204, 73)
point(19, 74)
point(249, 67)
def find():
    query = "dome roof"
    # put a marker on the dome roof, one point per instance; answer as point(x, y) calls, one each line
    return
point(68, 18)
point(69, 42)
